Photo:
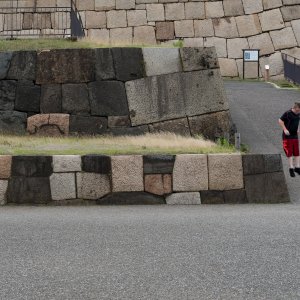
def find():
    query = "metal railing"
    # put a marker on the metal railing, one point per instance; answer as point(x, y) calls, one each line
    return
point(24, 18)
point(291, 68)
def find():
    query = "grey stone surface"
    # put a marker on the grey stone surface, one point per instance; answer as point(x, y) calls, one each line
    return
point(23, 65)
point(65, 66)
point(212, 197)
point(235, 196)
point(190, 173)
point(262, 42)
point(118, 121)
point(108, 98)
point(31, 166)
point(63, 186)
point(233, 7)
point(161, 61)
point(3, 189)
point(158, 164)
point(104, 64)
point(248, 25)
point(100, 164)
point(283, 38)
point(92, 186)
point(28, 97)
point(271, 20)
point(290, 13)
point(225, 27)
point(268, 4)
point(235, 47)
point(127, 173)
point(33, 190)
point(174, 96)
point(5, 58)
point(7, 94)
point(253, 164)
point(132, 198)
point(194, 59)
point(192, 198)
point(66, 163)
point(273, 163)
point(211, 126)
point(225, 172)
point(75, 99)
point(51, 98)
point(88, 125)
point(13, 122)
point(228, 67)
point(129, 131)
point(178, 126)
point(266, 188)
point(128, 63)
point(252, 6)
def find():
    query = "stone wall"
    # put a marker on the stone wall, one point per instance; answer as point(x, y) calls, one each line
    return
point(121, 91)
point(230, 25)
point(137, 179)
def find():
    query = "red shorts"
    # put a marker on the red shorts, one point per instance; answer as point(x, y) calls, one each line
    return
point(291, 147)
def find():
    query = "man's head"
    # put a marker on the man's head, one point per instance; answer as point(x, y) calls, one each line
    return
point(296, 108)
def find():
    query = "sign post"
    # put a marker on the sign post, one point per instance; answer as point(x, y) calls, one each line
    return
point(250, 55)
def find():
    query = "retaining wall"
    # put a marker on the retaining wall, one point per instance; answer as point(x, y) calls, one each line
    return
point(230, 25)
point(119, 91)
point(137, 179)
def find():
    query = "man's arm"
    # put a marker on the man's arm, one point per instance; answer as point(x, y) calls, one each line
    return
point(281, 123)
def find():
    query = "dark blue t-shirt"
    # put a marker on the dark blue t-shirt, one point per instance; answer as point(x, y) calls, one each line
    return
point(291, 122)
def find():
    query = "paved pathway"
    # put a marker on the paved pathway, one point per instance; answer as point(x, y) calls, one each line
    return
point(255, 108)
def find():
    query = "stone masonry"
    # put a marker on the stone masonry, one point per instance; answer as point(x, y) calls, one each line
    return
point(271, 25)
point(184, 179)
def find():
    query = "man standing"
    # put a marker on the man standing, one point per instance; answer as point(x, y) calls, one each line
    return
point(289, 123)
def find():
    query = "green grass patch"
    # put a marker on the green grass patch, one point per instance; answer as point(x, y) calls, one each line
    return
point(147, 144)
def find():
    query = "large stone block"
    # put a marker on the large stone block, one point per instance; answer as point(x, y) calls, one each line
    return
point(161, 61)
point(118, 121)
point(121, 36)
point(228, 67)
point(28, 97)
point(155, 12)
point(174, 11)
point(7, 94)
point(33, 190)
point(5, 58)
point(194, 59)
point(144, 35)
point(194, 10)
point(108, 98)
point(212, 197)
point(273, 163)
point(173, 96)
point(95, 19)
point(131, 198)
point(262, 42)
point(100, 164)
point(283, 38)
point(92, 186)
point(184, 28)
point(128, 131)
point(233, 8)
point(75, 99)
point(3, 189)
point(268, 4)
point(252, 6)
point(129, 63)
point(225, 27)
point(296, 28)
point(165, 30)
point(100, 35)
point(235, 196)
point(65, 66)
point(116, 19)
point(31, 166)
point(290, 13)
point(127, 173)
point(192, 198)
point(178, 126)
point(235, 47)
point(214, 9)
point(266, 188)
point(219, 43)
point(158, 184)
point(104, 64)
point(51, 98)
point(125, 4)
point(63, 186)
point(158, 164)
point(88, 125)
point(23, 66)
point(190, 173)
point(248, 25)
point(211, 126)
point(204, 28)
point(136, 17)
point(225, 172)
point(5, 166)
point(105, 4)
point(271, 20)
point(253, 164)
point(66, 163)
point(13, 122)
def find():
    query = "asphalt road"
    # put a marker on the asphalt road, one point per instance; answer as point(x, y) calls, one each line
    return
point(158, 252)
point(162, 252)
point(255, 108)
